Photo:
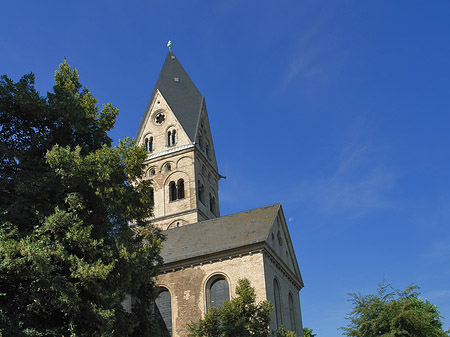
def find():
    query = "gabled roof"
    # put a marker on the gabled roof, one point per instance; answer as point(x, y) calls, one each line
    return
point(219, 234)
point(181, 94)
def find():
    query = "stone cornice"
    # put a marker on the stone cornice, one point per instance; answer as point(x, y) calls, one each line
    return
point(169, 151)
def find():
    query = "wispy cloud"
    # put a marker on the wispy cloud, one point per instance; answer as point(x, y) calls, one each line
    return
point(317, 53)
point(358, 184)
point(439, 249)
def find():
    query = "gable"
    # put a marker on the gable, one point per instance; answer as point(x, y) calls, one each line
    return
point(180, 93)
point(157, 127)
point(280, 242)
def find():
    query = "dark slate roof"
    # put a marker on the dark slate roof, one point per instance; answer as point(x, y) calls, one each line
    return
point(183, 97)
point(219, 234)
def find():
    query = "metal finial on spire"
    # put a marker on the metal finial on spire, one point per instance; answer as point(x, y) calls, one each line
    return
point(169, 45)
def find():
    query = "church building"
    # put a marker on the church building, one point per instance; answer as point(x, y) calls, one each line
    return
point(205, 254)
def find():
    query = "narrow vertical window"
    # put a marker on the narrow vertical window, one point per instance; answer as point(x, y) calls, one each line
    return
point(172, 191)
point(292, 313)
point(146, 144)
point(163, 310)
point(152, 196)
point(201, 192)
point(212, 204)
point(169, 138)
point(180, 189)
point(174, 137)
point(277, 304)
point(150, 144)
point(217, 292)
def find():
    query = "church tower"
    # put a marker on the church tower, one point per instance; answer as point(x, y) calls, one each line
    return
point(180, 159)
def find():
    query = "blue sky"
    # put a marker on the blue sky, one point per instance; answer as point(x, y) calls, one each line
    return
point(338, 109)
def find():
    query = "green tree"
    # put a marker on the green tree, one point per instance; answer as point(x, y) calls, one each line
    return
point(393, 313)
point(74, 239)
point(308, 333)
point(240, 316)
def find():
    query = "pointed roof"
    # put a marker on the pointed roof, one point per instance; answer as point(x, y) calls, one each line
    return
point(183, 97)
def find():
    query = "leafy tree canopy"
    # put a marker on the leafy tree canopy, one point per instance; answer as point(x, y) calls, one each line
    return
point(68, 255)
point(393, 313)
point(240, 316)
point(308, 333)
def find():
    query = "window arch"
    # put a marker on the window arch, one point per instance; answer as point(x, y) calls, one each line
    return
point(180, 189)
point(172, 191)
point(292, 313)
point(200, 142)
point(212, 204)
point(171, 137)
point(148, 144)
point(277, 304)
point(163, 310)
point(201, 192)
point(152, 196)
point(217, 291)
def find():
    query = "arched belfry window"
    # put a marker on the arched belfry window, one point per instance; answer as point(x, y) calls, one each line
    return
point(180, 189)
point(172, 191)
point(152, 196)
point(201, 192)
point(292, 313)
point(217, 291)
point(148, 143)
point(163, 310)
point(277, 304)
point(171, 137)
point(176, 191)
point(212, 204)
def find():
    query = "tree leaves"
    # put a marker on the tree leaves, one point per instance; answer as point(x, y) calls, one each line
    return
point(68, 255)
point(392, 312)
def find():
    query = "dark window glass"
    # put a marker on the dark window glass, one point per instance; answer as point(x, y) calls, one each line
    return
point(218, 292)
point(172, 191)
point(180, 189)
point(152, 195)
point(164, 312)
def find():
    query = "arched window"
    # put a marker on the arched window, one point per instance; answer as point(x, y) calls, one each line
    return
point(171, 137)
point(201, 192)
point(152, 196)
point(217, 291)
point(163, 310)
point(148, 144)
point(180, 189)
point(167, 168)
point(277, 304)
point(212, 204)
point(152, 172)
point(200, 142)
point(172, 191)
point(292, 313)
point(174, 137)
